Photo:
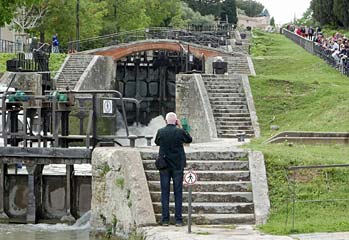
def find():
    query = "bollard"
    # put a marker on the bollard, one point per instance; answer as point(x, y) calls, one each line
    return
point(241, 136)
point(149, 138)
point(132, 139)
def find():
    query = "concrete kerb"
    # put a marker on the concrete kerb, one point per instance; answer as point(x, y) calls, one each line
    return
point(207, 107)
point(251, 106)
point(251, 66)
point(61, 69)
point(259, 186)
point(86, 73)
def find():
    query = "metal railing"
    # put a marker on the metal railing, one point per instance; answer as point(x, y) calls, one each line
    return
point(8, 46)
point(146, 34)
point(319, 175)
point(316, 49)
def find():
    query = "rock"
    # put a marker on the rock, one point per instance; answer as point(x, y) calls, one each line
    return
point(274, 127)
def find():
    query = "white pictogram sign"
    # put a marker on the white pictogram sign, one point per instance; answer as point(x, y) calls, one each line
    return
point(190, 178)
point(107, 106)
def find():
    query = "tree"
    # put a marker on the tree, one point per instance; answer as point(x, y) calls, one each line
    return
point(323, 11)
point(61, 19)
point(229, 11)
point(341, 11)
point(272, 22)
point(206, 7)
point(162, 12)
point(8, 8)
point(188, 16)
point(250, 7)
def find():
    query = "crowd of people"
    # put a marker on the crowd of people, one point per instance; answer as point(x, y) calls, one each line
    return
point(335, 49)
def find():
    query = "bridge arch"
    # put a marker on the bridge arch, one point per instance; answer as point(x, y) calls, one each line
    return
point(119, 51)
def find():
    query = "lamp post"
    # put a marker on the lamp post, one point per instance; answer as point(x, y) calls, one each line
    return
point(77, 25)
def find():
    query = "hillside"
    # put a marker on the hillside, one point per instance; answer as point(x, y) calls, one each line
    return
point(297, 91)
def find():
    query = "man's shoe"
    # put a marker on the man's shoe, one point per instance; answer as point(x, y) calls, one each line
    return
point(179, 224)
point(165, 224)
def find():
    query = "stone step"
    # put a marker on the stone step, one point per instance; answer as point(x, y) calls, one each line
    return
point(231, 96)
point(205, 165)
point(229, 103)
point(223, 82)
point(233, 135)
point(210, 186)
point(233, 155)
point(246, 197)
point(230, 88)
point(231, 113)
point(153, 175)
point(211, 208)
point(215, 219)
point(233, 119)
point(228, 129)
point(227, 99)
point(227, 92)
point(227, 124)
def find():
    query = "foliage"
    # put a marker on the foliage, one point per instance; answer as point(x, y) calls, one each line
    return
point(331, 12)
point(251, 8)
point(298, 91)
point(307, 19)
point(229, 11)
point(217, 8)
point(190, 17)
point(3, 58)
point(272, 21)
point(61, 19)
point(8, 8)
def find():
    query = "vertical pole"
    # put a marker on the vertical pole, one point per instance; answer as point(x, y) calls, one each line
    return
point(34, 192)
point(94, 120)
point(65, 128)
point(3, 172)
point(293, 199)
point(77, 25)
point(189, 208)
point(69, 194)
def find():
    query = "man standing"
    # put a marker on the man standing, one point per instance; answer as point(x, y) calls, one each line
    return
point(171, 139)
point(55, 44)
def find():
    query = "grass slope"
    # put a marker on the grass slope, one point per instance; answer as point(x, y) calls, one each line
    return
point(298, 91)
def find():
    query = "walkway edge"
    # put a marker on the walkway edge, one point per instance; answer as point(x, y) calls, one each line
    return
point(259, 187)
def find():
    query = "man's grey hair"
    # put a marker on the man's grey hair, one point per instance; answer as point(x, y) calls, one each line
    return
point(171, 118)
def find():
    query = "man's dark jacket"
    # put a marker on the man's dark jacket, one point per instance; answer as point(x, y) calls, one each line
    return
point(171, 139)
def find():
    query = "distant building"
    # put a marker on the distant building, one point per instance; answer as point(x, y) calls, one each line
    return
point(7, 34)
point(262, 21)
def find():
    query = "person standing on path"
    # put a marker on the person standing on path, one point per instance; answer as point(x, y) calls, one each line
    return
point(171, 139)
point(55, 44)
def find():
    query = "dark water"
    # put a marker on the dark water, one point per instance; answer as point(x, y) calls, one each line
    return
point(43, 232)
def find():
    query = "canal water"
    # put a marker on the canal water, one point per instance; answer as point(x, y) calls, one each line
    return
point(43, 232)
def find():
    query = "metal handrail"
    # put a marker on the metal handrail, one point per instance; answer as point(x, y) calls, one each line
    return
point(149, 33)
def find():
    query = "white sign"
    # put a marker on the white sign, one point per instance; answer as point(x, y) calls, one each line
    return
point(190, 178)
point(107, 106)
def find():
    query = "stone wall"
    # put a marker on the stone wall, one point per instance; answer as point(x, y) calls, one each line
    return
point(23, 81)
point(121, 199)
point(98, 75)
point(254, 22)
point(54, 190)
point(192, 103)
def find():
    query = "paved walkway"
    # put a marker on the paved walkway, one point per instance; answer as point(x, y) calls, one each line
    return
point(244, 232)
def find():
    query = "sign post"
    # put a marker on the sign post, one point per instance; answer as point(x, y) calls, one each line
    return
point(190, 179)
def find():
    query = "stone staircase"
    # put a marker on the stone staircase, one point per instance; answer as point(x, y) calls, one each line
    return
point(222, 195)
point(72, 71)
point(238, 65)
point(229, 105)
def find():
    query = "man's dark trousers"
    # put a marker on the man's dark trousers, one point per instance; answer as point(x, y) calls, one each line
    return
point(177, 178)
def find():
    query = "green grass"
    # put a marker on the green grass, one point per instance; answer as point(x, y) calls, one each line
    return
point(298, 91)
point(56, 60)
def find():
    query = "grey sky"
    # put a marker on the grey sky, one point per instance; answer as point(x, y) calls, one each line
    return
point(284, 10)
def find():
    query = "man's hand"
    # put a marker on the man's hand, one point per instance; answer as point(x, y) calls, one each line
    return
point(179, 124)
